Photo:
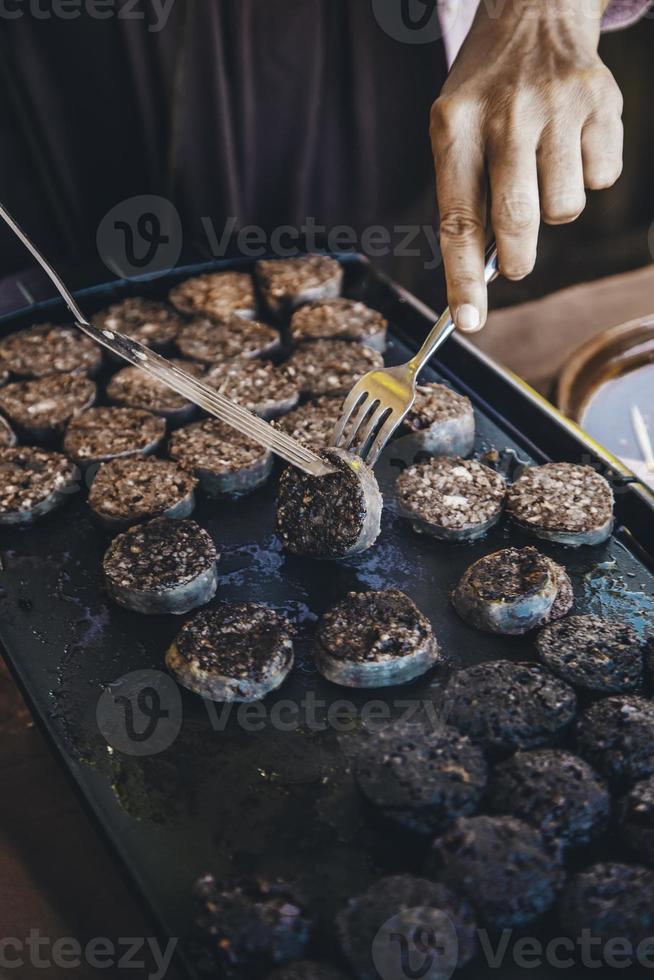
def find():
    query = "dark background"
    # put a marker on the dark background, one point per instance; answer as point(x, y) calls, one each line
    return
point(268, 110)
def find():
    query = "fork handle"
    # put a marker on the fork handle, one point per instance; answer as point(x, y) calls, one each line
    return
point(445, 325)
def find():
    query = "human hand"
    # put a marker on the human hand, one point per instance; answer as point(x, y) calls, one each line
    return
point(528, 117)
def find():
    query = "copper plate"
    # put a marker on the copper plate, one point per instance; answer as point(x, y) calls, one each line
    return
point(614, 352)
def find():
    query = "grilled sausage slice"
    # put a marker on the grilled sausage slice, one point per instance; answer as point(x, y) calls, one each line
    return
point(236, 652)
point(610, 901)
point(593, 654)
point(150, 323)
point(128, 491)
point(331, 516)
point(288, 283)
point(266, 390)
point(111, 433)
point(440, 421)
point(412, 908)
point(451, 499)
point(214, 341)
point(505, 706)
point(216, 294)
point(330, 367)
point(163, 566)
point(46, 349)
point(554, 791)
point(420, 777)
point(312, 423)
point(224, 461)
point(131, 388)
point(563, 502)
point(340, 319)
point(503, 868)
point(33, 482)
point(41, 409)
point(512, 591)
point(375, 639)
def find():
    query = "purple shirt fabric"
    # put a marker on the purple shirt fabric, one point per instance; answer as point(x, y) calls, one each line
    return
point(457, 16)
point(624, 13)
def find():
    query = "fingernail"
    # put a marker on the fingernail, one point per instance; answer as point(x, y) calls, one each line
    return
point(467, 318)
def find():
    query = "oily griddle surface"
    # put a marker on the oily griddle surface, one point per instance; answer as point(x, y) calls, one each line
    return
point(274, 799)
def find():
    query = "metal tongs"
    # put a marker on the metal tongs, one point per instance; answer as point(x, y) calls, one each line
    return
point(185, 384)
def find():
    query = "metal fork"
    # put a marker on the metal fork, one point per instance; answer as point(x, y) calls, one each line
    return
point(179, 380)
point(381, 398)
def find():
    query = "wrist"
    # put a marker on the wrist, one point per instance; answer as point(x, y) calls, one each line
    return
point(586, 13)
point(530, 25)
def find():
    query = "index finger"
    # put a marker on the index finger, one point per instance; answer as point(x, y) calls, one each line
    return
point(461, 192)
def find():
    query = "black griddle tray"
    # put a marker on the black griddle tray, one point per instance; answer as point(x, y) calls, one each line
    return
point(275, 799)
